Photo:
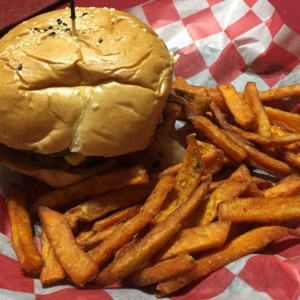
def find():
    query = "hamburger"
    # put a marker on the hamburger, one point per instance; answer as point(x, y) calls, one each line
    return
point(71, 104)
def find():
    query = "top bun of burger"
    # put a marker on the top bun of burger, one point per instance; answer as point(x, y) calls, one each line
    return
point(100, 92)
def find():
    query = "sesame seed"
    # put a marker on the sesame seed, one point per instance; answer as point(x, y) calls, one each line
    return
point(19, 67)
point(113, 20)
point(175, 57)
point(95, 106)
point(59, 21)
point(85, 13)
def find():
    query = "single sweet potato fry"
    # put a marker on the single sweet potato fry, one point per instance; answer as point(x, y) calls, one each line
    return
point(239, 108)
point(195, 239)
point(278, 131)
point(261, 209)
point(251, 96)
point(124, 214)
point(291, 158)
point(287, 187)
point(280, 92)
point(29, 258)
point(95, 239)
point(52, 270)
point(287, 120)
point(76, 263)
point(84, 234)
point(162, 271)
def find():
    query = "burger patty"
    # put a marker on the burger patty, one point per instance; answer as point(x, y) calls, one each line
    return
point(12, 158)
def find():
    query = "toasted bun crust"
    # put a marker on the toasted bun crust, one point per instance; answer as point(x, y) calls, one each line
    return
point(100, 92)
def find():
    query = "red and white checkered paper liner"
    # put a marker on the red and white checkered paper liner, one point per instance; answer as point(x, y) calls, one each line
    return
point(218, 41)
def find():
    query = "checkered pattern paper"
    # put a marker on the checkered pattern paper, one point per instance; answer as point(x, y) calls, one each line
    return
point(226, 41)
point(218, 41)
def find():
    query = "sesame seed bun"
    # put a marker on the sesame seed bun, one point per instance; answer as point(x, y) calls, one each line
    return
point(100, 92)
